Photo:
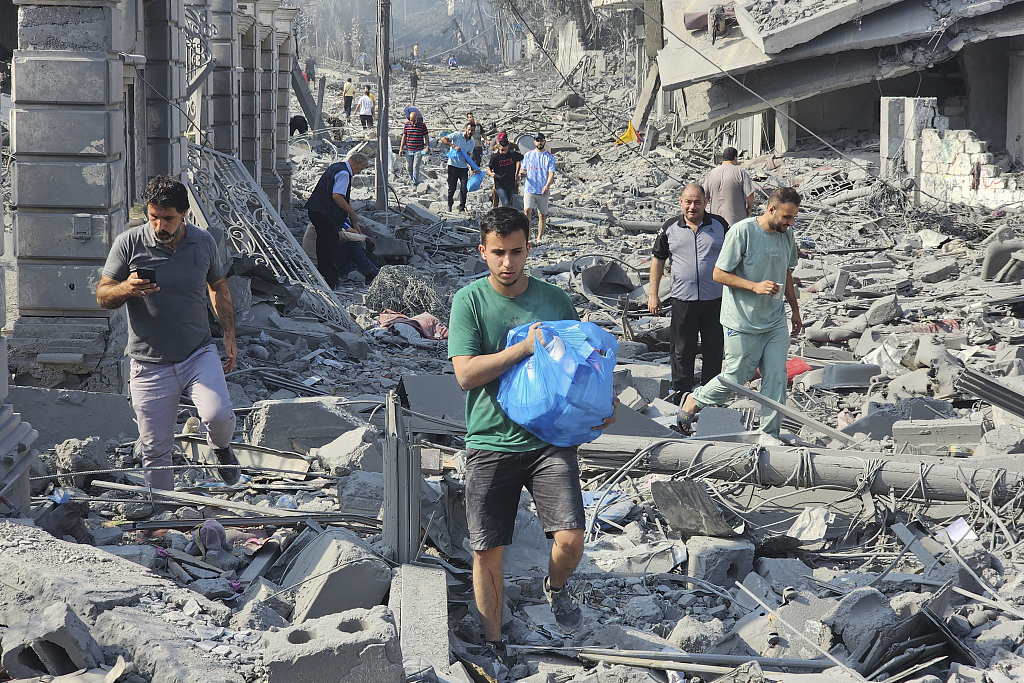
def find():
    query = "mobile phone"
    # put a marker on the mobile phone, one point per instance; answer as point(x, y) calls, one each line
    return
point(147, 274)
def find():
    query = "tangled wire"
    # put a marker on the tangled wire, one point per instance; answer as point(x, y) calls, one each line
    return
point(405, 290)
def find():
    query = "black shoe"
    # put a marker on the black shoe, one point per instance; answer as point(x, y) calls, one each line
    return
point(229, 475)
point(567, 612)
point(496, 651)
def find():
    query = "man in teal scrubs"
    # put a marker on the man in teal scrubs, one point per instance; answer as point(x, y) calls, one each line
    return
point(756, 267)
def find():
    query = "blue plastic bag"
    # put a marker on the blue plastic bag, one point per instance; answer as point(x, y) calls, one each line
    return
point(564, 390)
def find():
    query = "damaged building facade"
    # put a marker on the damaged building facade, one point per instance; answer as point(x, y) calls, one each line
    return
point(778, 71)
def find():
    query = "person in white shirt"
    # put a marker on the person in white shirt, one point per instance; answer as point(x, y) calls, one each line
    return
point(365, 109)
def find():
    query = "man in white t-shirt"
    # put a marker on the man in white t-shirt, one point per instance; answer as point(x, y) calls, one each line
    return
point(539, 169)
point(365, 109)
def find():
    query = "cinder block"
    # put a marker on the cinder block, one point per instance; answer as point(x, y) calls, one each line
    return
point(53, 642)
point(357, 646)
point(65, 78)
point(720, 561)
point(87, 133)
point(938, 432)
point(360, 580)
point(650, 381)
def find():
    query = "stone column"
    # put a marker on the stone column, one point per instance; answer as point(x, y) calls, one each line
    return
point(785, 129)
point(1015, 106)
point(285, 17)
point(249, 102)
point(165, 94)
point(68, 138)
point(268, 179)
point(227, 52)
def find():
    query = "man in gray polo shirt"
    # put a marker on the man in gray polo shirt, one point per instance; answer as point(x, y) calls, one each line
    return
point(172, 351)
point(693, 240)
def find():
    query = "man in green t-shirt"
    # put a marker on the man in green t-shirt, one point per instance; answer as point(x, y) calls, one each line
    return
point(756, 267)
point(501, 456)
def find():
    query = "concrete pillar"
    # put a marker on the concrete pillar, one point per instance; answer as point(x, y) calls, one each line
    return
point(268, 179)
point(224, 83)
point(68, 182)
point(785, 130)
point(285, 17)
point(1015, 106)
point(165, 95)
point(249, 102)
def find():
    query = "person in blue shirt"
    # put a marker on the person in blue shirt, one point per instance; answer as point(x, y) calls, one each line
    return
point(539, 169)
point(458, 169)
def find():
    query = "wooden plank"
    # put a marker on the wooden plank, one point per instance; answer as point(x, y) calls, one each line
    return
point(192, 499)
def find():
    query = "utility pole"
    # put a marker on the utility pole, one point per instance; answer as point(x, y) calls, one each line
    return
point(384, 71)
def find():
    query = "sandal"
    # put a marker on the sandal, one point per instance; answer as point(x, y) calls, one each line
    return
point(684, 420)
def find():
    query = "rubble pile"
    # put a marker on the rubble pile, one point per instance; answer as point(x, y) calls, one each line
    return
point(875, 540)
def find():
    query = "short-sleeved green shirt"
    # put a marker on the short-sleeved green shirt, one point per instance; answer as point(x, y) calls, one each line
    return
point(479, 323)
point(755, 254)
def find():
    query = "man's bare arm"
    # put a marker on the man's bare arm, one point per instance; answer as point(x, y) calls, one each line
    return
point(476, 371)
point(653, 300)
point(793, 304)
point(750, 204)
point(112, 294)
point(224, 309)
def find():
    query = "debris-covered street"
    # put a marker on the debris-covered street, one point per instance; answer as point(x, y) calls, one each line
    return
point(874, 538)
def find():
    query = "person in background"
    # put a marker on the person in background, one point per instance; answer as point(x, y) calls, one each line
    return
point(539, 169)
point(415, 144)
point(348, 93)
point(729, 189)
point(365, 109)
point(458, 168)
point(504, 166)
point(414, 84)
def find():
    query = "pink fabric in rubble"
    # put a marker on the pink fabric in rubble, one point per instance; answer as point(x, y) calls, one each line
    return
point(427, 325)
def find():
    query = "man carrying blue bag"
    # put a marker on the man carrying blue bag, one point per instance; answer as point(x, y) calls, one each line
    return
point(502, 456)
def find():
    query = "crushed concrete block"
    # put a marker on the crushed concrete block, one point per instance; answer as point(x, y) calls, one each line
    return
point(759, 586)
point(938, 432)
point(936, 271)
point(692, 635)
point(305, 423)
point(80, 455)
point(861, 614)
point(265, 591)
point(354, 345)
point(626, 638)
point(883, 310)
point(419, 603)
point(916, 383)
point(628, 349)
point(139, 554)
point(644, 609)
point(1003, 634)
point(1002, 439)
point(355, 646)
point(355, 450)
point(257, 616)
point(847, 376)
point(361, 580)
point(54, 642)
point(650, 381)
point(715, 421)
point(361, 493)
point(630, 397)
point(213, 588)
point(782, 572)
point(721, 561)
point(106, 535)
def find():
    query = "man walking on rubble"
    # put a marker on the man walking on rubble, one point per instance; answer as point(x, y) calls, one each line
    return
point(458, 168)
point(414, 84)
point(693, 240)
point(330, 211)
point(415, 143)
point(539, 170)
point(729, 189)
point(504, 166)
point(365, 109)
point(348, 93)
point(479, 139)
point(501, 456)
point(166, 271)
point(756, 267)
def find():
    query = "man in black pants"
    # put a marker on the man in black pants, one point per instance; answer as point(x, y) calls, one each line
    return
point(458, 168)
point(330, 211)
point(693, 240)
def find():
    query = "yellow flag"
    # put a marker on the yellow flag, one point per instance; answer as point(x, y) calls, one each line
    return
point(629, 136)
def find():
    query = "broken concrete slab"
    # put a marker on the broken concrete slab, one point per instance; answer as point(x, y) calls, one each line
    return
point(300, 423)
point(256, 615)
point(860, 615)
point(355, 450)
point(52, 642)
point(336, 572)
point(935, 432)
point(774, 28)
point(356, 646)
point(419, 603)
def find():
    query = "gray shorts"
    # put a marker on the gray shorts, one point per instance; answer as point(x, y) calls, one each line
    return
point(536, 201)
point(495, 480)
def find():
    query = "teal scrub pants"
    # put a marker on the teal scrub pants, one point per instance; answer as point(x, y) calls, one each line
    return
point(745, 353)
